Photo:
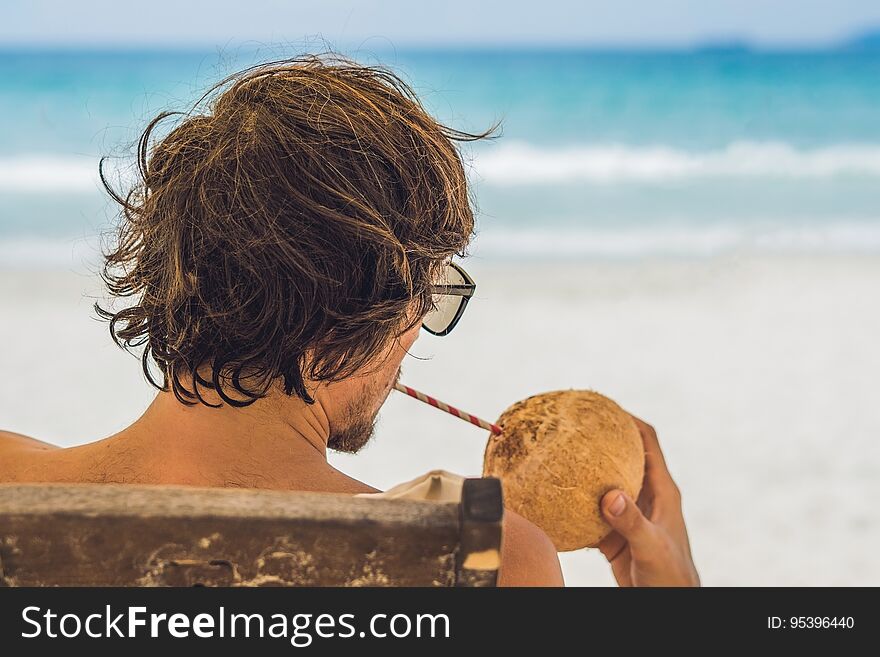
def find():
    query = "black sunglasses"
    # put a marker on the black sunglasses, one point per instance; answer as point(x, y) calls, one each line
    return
point(450, 300)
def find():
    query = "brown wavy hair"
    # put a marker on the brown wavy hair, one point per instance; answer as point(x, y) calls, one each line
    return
point(286, 226)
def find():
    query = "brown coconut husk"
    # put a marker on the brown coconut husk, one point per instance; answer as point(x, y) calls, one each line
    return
point(559, 453)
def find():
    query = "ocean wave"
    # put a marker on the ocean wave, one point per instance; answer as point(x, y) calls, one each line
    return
point(522, 163)
point(680, 241)
point(48, 173)
point(683, 241)
point(51, 253)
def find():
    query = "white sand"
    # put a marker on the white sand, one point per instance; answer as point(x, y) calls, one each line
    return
point(759, 375)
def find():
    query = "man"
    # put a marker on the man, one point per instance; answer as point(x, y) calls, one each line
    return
point(282, 249)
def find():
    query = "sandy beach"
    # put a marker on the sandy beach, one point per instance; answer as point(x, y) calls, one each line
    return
point(758, 373)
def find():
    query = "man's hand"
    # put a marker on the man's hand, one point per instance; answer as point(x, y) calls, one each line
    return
point(649, 545)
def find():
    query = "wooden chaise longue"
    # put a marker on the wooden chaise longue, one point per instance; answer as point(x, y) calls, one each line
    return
point(121, 535)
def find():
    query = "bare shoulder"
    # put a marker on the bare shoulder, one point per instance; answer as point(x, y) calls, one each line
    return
point(11, 441)
point(528, 556)
point(17, 452)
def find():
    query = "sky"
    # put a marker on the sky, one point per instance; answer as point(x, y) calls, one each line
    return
point(382, 24)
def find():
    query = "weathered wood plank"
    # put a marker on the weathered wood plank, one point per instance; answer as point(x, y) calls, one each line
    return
point(144, 535)
point(169, 501)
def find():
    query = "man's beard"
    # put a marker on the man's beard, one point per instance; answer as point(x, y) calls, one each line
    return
point(361, 423)
point(352, 438)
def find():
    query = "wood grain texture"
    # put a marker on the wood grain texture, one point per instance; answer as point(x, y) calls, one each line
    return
point(158, 536)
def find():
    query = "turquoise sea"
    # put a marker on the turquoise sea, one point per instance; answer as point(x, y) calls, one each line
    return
point(602, 154)
point(696, 234)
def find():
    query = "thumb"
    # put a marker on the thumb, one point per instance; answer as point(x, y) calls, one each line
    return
point(626, 518)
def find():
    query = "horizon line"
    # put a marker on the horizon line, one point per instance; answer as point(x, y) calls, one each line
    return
point(720, 45)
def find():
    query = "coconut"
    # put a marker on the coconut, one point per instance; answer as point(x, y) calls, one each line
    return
point(559, 453)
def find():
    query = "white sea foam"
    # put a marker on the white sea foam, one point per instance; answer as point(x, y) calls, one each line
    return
point(48, 173)
point(680, 241)
point(48, 253)
point(521, 163)
point(677, 241)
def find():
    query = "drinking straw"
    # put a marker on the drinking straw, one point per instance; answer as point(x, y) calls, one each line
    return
point(473, 419)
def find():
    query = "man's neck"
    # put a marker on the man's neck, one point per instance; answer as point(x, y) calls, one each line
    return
point(272, 443)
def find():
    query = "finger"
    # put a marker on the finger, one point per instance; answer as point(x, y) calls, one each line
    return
point(616, 551)
point(612, 545)
point(649, 439)
point(645, 500)
point(621, 568)
point(626, 519)
point(656, 472)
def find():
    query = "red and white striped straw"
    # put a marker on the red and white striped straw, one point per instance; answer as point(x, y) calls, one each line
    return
point(473, 419)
